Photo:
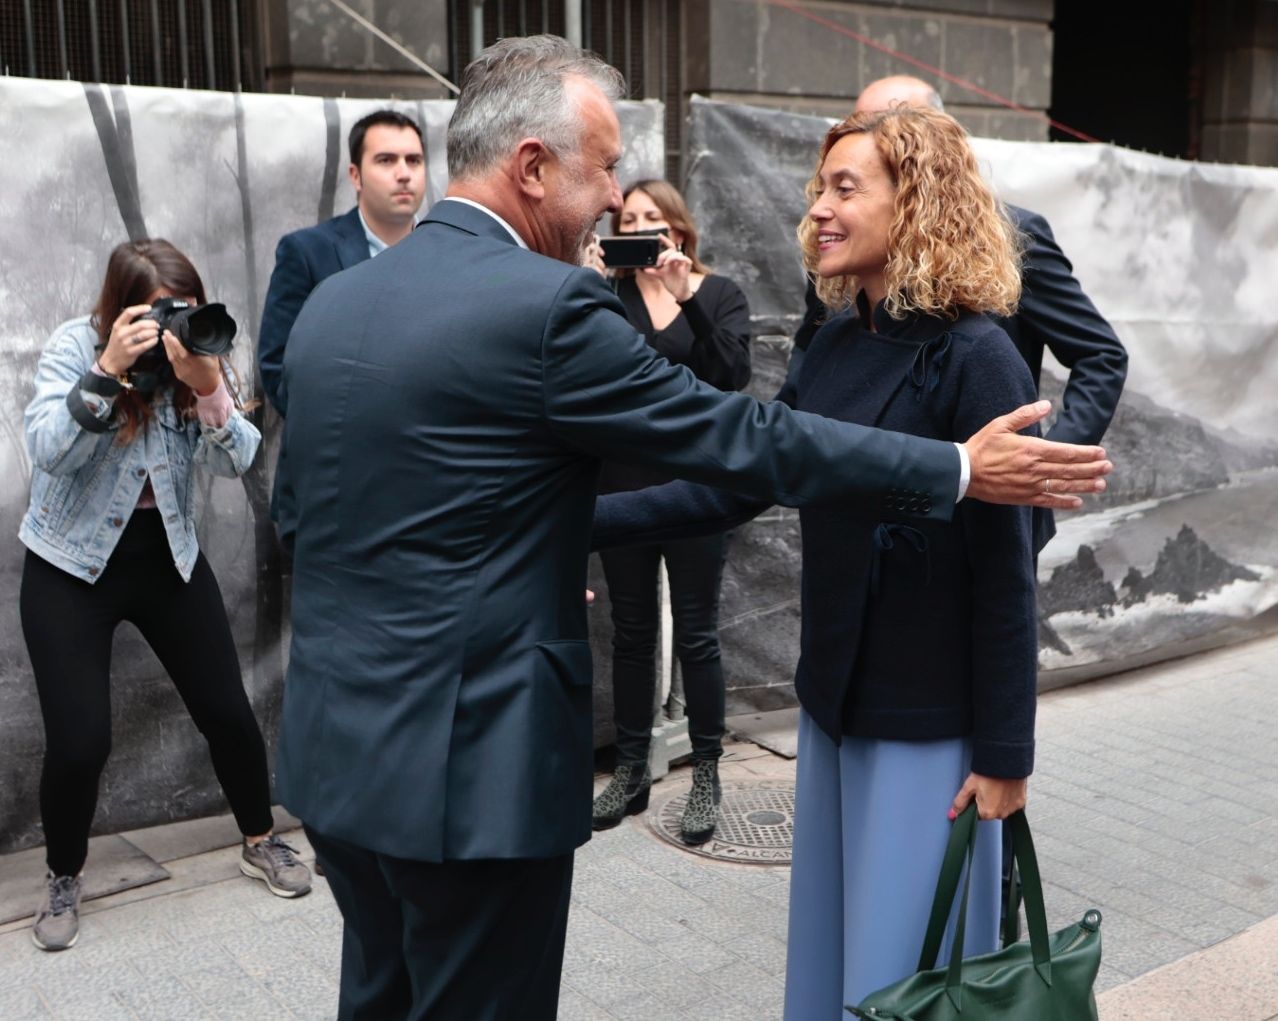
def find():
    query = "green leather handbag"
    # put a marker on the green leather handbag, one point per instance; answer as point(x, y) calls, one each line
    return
point(1049, 978)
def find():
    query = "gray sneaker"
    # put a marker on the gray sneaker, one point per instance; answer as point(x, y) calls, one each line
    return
point(57, 923)
point(276, 864)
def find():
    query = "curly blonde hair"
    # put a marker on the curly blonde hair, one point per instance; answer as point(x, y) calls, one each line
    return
point(951, 246)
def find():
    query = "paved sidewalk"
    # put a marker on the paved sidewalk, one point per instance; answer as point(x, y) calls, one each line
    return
point(1155, 799)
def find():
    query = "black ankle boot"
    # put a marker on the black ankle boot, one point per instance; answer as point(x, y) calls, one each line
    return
point(626, 794)
point(702, 811)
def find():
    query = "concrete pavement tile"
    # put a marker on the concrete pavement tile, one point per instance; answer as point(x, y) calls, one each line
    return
point(609, 985)
point(1108, 977)
point(91, 1007)
point(596, 945)
point(22, 1003)
point(678, 987)
point(224, 983)
point(753, 988)
point(19, 962)
point(1134, 947)
point(726, 1007)
point(762, 950)
point(644, 1007)
point(575, 1007)
point(696, 953)
point(648, 926)
point(306, 990)
point(266, 949)
point(161, 997)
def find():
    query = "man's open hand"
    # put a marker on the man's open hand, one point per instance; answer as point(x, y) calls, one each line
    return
point(1010, 468)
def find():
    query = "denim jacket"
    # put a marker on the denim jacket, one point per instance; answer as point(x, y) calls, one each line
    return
point(85, 485)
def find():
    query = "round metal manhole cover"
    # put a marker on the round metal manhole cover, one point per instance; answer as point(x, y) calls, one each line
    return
point(756, 824)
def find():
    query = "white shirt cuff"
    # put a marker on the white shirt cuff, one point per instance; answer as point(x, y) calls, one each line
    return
point(965, 472)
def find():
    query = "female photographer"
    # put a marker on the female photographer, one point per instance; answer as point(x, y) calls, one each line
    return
point(702, 321)
point(122, 416)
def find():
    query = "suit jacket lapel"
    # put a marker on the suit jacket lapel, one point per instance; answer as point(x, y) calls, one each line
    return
point(352, 245)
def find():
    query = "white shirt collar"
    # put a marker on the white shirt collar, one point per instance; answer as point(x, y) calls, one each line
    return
point(484, 209)
point(375, 244)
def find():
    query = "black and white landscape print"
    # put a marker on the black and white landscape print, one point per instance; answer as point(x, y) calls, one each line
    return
point(222, 176)
point(1182, 258)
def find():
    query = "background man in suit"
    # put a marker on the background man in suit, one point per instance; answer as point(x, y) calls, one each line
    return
point(1054, 312)
point(449, 405)
point(388, 172)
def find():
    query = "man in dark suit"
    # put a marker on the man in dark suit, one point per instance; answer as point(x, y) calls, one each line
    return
point(388, 172)
point(449, 405)
point(1054, 312)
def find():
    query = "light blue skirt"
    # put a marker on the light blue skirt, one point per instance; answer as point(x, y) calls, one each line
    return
point(870, 829)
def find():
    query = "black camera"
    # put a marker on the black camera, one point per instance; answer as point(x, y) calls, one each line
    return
point(202, 329)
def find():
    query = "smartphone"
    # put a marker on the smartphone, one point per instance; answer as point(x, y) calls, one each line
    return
point(630, 251)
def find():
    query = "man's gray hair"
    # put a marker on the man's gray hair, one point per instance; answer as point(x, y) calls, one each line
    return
point(514, 90)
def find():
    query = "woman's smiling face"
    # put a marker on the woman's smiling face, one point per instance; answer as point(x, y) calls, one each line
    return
point(853, 212)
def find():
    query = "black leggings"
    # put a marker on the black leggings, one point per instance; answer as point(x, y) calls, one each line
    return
point(68, 625)
point(695, 567)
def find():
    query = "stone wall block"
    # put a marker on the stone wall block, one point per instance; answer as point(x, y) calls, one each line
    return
point(913, 34)
point(801, 57)
point(1023, 10)
point(319, 36)
point(983, 53)
point(735, 27)
point(992, 122)
point(1032, 74)
point(1215, 77)
point(1264, 85)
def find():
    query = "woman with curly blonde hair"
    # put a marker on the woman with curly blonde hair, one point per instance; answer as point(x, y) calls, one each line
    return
point(917, 687)
point(918, 658)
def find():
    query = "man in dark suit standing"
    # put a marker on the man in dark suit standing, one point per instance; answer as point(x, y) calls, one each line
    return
point(449, 405)
point(1054, 312)
point(388, 172)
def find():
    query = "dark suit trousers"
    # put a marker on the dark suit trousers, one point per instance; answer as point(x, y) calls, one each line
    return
point(451, 941)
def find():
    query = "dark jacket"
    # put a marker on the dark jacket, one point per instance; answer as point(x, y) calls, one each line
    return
point(302, 259)
point(449, 403)
point(711, 336)
point(911, 630)
point(1055, 314)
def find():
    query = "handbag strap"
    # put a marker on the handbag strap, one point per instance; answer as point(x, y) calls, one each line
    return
point(1032, 892)
point(962, 841)
point(961, 848)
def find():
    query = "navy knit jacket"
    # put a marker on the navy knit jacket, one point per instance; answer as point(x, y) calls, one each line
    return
point(911, 629)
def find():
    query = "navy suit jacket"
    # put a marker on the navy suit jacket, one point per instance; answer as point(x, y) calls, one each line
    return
point(302, 259)
point(449, 405)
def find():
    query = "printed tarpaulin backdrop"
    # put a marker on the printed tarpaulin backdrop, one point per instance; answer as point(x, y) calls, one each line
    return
point(222, 176)
point(1179, 554)
point(1182, 258)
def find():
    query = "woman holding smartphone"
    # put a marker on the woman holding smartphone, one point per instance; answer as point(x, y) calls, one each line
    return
point(696, 318)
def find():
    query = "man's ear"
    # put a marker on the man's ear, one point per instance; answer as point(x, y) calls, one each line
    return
point(353, 171)
point(532, 159)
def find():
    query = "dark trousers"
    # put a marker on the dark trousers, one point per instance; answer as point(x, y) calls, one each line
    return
point(68, 625)
point(695, 567)
point(451, 941)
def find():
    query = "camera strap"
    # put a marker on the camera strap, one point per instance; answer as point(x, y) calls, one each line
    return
point(80, 411)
